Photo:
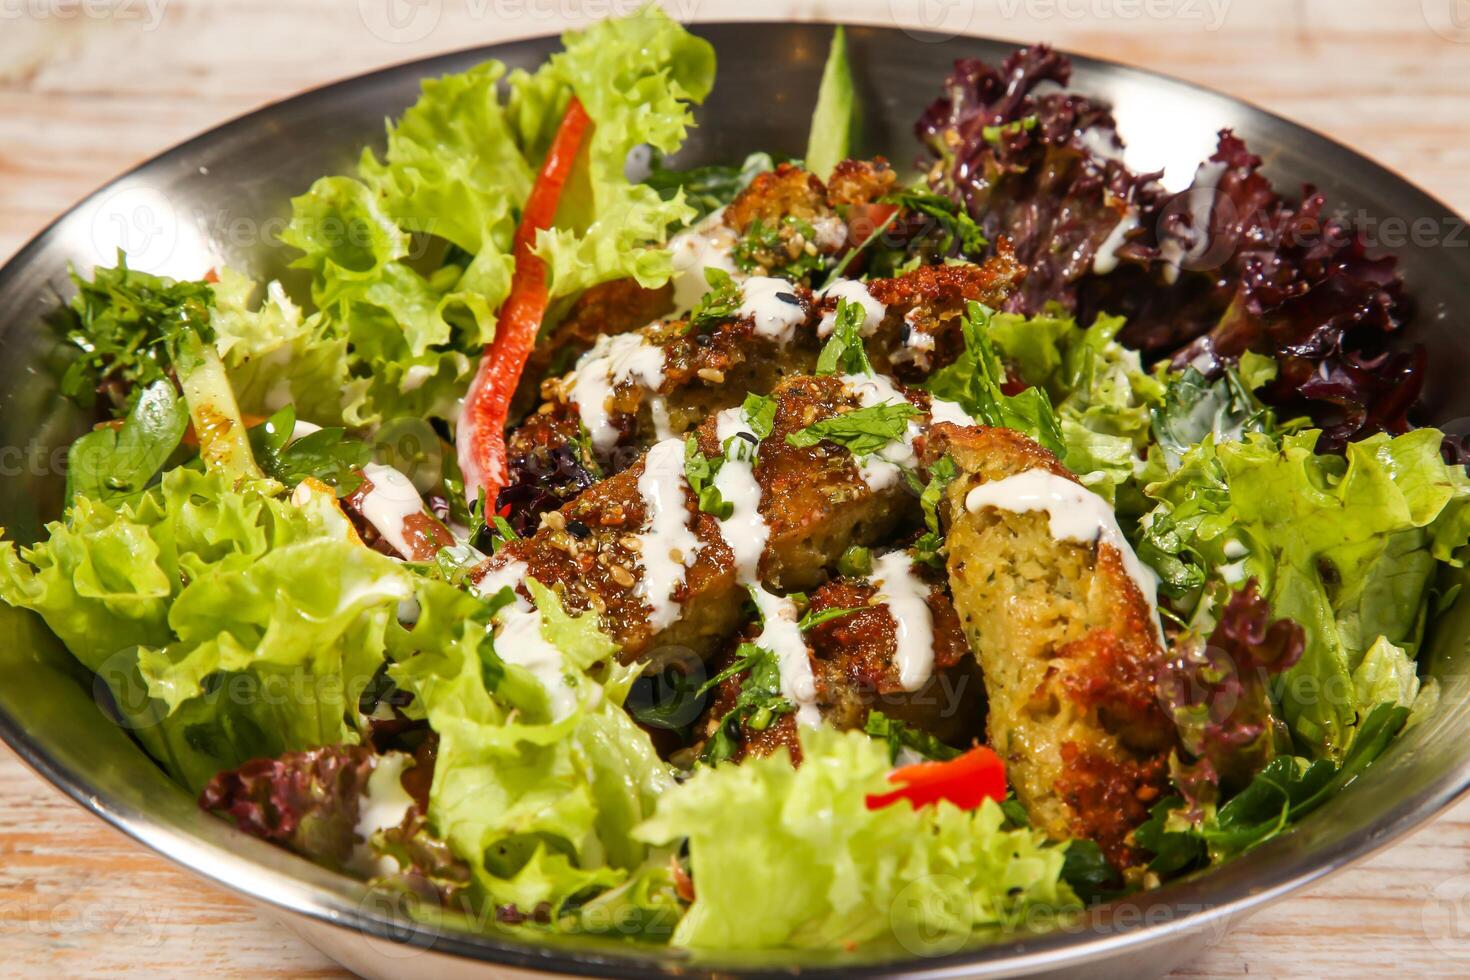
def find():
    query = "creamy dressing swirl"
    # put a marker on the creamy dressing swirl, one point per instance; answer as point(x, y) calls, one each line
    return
point(1074, 513)
point(907, 598)
point(666, 544)
point(612, 361)
point(746, 532)
point(854, 292)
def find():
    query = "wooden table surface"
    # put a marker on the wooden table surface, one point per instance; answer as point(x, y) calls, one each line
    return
point(91, 87)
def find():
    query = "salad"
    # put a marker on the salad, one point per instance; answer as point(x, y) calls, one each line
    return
point(602, 544)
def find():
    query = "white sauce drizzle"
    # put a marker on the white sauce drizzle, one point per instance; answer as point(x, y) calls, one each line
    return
point(706, 245)
point(854, 292)
point(906, 596)
point(1106, 259)
point(1201, 201)
point(941, 410)
point(1075, 514)
point(773, 316)
point(518, 638)
point(746, 533)
point(507, 576)
point(658, 410)
point(884, 469)
point(390, 502)
point(745, 530)
point(782, 636)
point(518, 641)
point(613, 360)
point(667, 545)
point(383, 806)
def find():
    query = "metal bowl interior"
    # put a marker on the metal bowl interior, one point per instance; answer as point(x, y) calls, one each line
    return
point(220, 198)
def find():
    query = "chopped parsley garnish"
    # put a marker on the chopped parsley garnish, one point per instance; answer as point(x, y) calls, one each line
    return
point(758, 704)
point(789, 246)
point(124, 323)
point(813, 618)
point(973, 381)
point(722, 302)
point(901, 735)
point(926, 549)
point(958, 227)
point(843, 353)
point(863, 431)
point(327, 455)
point(700, 471)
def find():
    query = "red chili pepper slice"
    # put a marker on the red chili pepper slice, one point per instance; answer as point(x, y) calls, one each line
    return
point(481, 438)
point(966, 781)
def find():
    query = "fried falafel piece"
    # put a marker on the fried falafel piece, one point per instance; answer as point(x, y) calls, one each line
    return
point(712, 367)
point(814, 500)
point(853, 660)
point(1068, 645)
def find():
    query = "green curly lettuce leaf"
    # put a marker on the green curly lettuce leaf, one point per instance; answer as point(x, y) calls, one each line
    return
point(1345, 546)
point(411, 256)
point(541, 806)
point(229, 623)
point(848, 875)
point(637, 77)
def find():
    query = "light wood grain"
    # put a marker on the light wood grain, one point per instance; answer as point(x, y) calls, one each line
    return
point(85, 97)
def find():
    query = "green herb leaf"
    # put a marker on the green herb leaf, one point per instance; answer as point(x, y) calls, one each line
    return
point(108, 465)
point(973, 381)
point(707, 189)
point(958, 226)
point(758, 704)
point(863, 431)
point(123, 324)
point(700, 471)
point(760, 414)
point(326, 454)
point(1088, 872)
point(941, 474)
point(843, 353)
point(722, 302)
point(813, 618)
point(900, 735)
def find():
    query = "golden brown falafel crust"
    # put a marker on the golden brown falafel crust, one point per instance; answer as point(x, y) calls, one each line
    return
point(813, 499)
point(1068, 650)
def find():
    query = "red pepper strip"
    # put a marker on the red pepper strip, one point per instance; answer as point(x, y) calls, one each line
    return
point(966, 781)
point(481, 439)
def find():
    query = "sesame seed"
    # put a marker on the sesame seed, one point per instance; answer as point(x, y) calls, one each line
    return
point(622, 576)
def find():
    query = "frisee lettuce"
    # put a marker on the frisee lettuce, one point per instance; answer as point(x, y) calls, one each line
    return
point(848, 875)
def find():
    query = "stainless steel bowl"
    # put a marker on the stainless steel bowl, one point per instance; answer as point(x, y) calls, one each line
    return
point(220, 197)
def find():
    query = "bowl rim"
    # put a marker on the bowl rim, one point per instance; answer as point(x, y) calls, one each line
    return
point(279, 889)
